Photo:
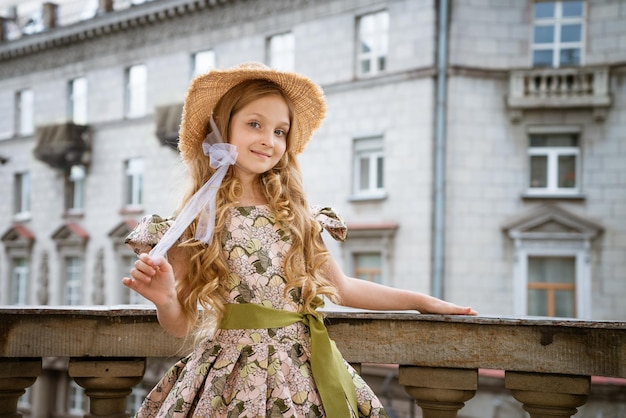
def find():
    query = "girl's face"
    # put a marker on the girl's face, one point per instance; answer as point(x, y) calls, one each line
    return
point(259, 131)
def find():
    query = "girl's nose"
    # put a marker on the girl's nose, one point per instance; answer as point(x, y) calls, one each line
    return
point(268, 139)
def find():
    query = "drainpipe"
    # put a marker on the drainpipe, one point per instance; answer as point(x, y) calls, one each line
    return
point(438, 226)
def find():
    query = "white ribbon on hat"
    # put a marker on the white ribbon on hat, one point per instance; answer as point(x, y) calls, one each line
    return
point(221, 156)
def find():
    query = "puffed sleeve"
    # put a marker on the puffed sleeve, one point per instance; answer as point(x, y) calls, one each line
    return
point(330, 221)
point(147, 233)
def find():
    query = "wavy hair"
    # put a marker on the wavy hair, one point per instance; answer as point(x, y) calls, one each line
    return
point(204, 284)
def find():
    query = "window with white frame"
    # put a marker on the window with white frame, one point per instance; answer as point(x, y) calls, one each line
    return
point(19, 281)
point(368, 165)
point(553, 258)
point(554, 161)
point(552, 286)
point(22, 191)
point(373, 40)
point(558, 33)
point(368, 266)
point(73, 268)
point(77, 100)
point(281, 52)
point(136, 91)
point(134, 182)
point(76, 403)
point(75, 190)
point(203, 61)
point(25, 112)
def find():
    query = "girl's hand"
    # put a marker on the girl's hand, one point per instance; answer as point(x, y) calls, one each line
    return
point(153, 279)
point(438, 306)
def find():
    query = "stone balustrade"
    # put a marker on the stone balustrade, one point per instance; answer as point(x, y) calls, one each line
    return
point(548, 363)
point(559, 88)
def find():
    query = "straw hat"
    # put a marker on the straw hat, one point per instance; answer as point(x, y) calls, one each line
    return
point(207, 89)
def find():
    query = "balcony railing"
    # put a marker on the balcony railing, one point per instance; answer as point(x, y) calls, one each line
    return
point(548, 363)
point(560, 88)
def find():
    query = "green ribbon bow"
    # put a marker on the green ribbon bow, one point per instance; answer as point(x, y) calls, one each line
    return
point(329, 371)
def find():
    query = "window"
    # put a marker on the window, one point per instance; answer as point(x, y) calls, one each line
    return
point(22, 196)
point(553, 258)
point(134, 182)
point(25, 112)
point(369, 167)
point(76, 404)
point(368, 251)
point(19, 281)
point(75, 190)
point(281, 52)
point(203, 61)
point(136, 77)
point(373, 40)
point(553, 164)
point(77, 101)
point(368, 266)
point(552, 286)
point(73, 276)
point(558, 33)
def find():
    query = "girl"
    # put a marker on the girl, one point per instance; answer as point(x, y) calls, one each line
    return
point(261, 347)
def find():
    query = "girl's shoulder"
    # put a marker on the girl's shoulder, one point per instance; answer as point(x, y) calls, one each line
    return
point(331, 221)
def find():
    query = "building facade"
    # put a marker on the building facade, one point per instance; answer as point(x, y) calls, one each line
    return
point(476, 148)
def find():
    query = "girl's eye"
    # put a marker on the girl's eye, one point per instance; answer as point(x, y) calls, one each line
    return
point(254, 124)
point(280, 132)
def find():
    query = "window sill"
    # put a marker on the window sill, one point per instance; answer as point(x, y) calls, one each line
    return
point(368, 197)
point(74, 213)
point(22, 217)
point(553, 196)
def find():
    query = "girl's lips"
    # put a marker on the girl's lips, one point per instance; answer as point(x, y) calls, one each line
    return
point(261, 154)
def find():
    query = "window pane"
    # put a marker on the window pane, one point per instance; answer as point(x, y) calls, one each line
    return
point(544, 34)
point(26, 112)
point(542, 58)
point(203, 62)
point(78, 100)
point(572, 8)
point(562, 140)
point(570, 56)
point(537, 302)
point(368, 266)
point(571, 33)
point(379, 172)
point(544, 10)
point(565, 303)
point(282, 55)
point(538, 171)
point(567, 171)
point(552, 269)
point(364, 173)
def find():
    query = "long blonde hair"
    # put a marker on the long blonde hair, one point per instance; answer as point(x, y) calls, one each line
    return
point(204, 284)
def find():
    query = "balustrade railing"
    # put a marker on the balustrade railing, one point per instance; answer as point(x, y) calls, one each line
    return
point(574, 87)
point(548, 363)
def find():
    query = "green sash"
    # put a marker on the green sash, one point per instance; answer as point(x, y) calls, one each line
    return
point(329, 371)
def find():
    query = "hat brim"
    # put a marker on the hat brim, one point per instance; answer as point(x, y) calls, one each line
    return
point(207, 89)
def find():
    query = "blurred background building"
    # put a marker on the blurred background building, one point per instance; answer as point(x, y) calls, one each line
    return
point(476, 149)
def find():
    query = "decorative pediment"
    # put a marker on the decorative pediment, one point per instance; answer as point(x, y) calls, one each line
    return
point(121, 231)
point(63, 145)
point(168, 120)
point(18, 236)
point(70, 234)
point(552, 222)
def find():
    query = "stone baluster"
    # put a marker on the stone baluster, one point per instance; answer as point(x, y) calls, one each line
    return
point(440, 392)
point(548, 395)
point(15, 376)
point(107, 383)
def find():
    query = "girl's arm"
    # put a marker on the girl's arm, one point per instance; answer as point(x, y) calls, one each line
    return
point(155, 280)
point(357, 293)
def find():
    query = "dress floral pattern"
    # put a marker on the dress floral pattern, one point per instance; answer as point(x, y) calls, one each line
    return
point(253, 372)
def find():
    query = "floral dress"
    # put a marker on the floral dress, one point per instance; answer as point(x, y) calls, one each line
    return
point(254, 372)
